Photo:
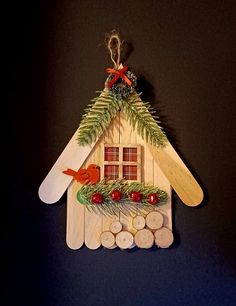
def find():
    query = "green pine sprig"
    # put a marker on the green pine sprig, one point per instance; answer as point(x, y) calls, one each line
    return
point(97, 118)
point(125, 205)
point(142, 117)
point(104, 108)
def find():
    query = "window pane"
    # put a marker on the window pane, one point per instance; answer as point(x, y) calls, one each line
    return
point(130, 172)
point(111, 172)
point(130, 154)
point(111, 154)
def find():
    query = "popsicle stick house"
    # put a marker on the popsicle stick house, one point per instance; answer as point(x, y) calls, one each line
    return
point(120, 152)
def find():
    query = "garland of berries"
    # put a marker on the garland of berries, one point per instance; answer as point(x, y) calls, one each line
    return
point(120, 196)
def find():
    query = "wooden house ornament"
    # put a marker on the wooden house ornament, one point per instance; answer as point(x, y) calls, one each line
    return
point(119, 170)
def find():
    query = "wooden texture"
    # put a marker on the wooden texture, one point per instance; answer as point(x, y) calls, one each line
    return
point(138, 222)
point(74, 218)
point(107, 239)
point(162, 182)
point(154, 220)
point(178, 174)
point(163, 237)
point(127, 135)
point(73, 156)
point(94, 224)
point(111, 135)
point(56, 182)
point(85, 226)
point(144, 239)
point(124, 240)
point(115, 227)
point(93, 221)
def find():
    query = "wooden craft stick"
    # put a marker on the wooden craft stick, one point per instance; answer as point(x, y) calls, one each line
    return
point(93, 220)
point(73, 156)
point(56, 182)
point(178, 174)
point(111, 136)
point(162, 182)
point(75, 218)
point(127, 136)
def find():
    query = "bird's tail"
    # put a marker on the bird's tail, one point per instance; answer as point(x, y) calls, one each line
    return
point(70, 172)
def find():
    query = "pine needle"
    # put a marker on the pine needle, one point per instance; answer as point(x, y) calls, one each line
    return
point(125, 205)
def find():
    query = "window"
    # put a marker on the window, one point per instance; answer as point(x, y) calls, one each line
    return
point(122, 161)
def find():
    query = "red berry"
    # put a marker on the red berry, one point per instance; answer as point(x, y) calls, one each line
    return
point(116, 195)
point(97, 198)
point(153, 198)
point(135, 196)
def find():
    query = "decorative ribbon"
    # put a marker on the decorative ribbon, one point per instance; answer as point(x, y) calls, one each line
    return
point(118, 74)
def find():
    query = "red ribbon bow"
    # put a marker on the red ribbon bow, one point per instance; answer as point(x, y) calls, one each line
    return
point(118, 74)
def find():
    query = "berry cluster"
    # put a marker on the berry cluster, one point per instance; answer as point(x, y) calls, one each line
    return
point(116, 196)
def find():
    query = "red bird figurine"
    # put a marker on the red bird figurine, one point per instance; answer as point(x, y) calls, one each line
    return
point(91, 175)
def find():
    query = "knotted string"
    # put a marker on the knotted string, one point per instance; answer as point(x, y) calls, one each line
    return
point(114, 49)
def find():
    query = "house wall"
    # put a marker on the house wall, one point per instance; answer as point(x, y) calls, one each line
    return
point(90, 224)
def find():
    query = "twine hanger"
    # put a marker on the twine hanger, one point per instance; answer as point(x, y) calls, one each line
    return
point(114, 46)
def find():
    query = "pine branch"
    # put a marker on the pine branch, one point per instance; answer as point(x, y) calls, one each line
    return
point(141, 116)
point(97, 118)
point(125, 205)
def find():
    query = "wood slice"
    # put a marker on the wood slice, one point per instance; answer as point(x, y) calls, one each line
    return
point(144, 239)
point(163, 237)
point(115, 227)
point(124, 240)
point(154, 220)
point(138, 222)
point(107, 239)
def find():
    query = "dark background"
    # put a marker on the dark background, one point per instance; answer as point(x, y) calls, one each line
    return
point(56, 60)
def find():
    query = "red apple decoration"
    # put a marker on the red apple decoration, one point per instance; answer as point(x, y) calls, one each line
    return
point(97, 198)
point(116, 195)
point(135, 196)
point(153, 198)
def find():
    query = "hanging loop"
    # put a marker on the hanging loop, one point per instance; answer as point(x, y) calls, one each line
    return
point(114, 46)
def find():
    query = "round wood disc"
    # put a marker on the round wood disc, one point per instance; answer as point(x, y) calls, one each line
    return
point(124, 239)
point(115, 227)
point(144, 239)
point(163, 237)
point(154, 220)
point(138, 222)
point(107, 239)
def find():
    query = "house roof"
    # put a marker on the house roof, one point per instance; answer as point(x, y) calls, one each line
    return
point(73, 156)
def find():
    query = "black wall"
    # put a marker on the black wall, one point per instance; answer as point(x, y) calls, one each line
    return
point(56, 60)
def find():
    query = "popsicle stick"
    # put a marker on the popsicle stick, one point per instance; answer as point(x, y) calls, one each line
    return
point(178, 174)
point(73, 156)
point(93, 220)
point(127, 136)
point(75, 218)
point(162, 182)
point(111, 136)
point(147, 167)
point(56, 182)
